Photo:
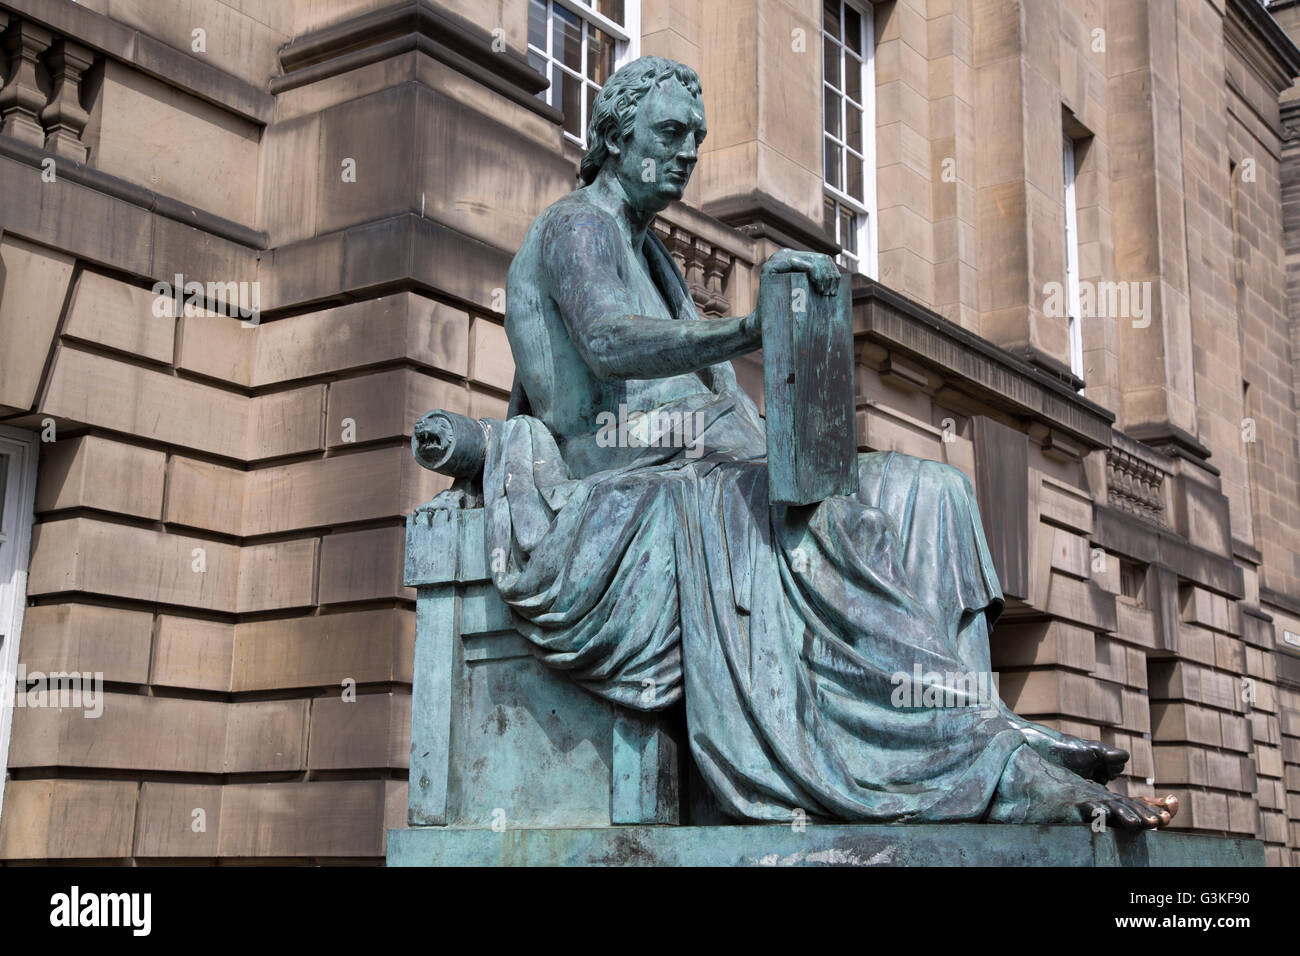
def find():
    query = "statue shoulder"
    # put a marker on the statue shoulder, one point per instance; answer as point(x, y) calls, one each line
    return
point(572, 224)
point(570, 237)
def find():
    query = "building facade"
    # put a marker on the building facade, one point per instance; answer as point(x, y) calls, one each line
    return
point(245, 244)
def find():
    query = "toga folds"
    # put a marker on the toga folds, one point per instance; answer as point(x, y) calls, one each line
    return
point(649, 573)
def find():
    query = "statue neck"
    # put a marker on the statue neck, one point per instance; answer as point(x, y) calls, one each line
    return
point(607, 192)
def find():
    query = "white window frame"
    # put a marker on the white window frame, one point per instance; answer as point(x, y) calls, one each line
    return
point(18, 451)
point(627, 47)
point(865, 211)
point(1075, 319)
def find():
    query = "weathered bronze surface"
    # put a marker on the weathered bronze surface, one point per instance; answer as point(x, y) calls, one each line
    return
point(832, 655)
point(808, 392)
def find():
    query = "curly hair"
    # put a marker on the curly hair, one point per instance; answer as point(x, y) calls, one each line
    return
point(616, 104)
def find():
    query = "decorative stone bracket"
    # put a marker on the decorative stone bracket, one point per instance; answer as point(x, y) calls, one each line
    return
point(43, 111)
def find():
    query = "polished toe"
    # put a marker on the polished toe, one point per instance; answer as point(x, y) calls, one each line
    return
point(1166, 807)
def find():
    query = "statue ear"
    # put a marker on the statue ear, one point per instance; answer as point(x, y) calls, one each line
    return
point(613, 142)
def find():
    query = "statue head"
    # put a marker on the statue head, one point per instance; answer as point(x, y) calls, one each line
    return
point(648, 121)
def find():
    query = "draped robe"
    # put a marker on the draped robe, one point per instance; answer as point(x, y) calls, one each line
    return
point(653, 572)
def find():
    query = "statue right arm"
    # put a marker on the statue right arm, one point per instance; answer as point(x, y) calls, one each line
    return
point(580, 256)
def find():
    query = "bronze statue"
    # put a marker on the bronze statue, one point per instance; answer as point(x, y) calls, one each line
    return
point(652, 569)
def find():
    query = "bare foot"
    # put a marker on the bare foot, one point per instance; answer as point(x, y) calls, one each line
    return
point(1166, 806)
point(1090, 759)
point(1034, 790)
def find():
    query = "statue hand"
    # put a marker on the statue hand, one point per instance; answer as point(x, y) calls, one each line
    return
point(453, 499)
point(823, 274)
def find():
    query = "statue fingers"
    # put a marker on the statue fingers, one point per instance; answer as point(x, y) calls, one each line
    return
point(821, 270)
point(815, 267)
point(452, 499)
point(830, 274)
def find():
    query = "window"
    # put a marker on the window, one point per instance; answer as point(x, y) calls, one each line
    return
point(1252, 462)
point(577, 45)
point(1133, 581)
point(849, 122)
point(17, 493)
point(1072, 261)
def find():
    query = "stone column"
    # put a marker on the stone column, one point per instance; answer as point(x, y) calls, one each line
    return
point(761, 167)
point(21, 98)
point(949, 72)
point(4, 72)
point(63, 117)
point(1155, 355)
point(1020, 213)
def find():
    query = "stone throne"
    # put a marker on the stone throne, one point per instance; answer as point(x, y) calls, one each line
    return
point(498, 738)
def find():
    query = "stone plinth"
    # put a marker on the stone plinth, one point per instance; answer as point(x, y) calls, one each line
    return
point(842, 845)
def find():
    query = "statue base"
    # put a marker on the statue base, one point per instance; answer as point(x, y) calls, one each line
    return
point(815, 845)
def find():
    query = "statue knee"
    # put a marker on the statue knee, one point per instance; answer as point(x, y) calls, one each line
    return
point(949, 477)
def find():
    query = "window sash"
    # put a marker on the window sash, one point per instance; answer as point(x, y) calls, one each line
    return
point(836, 87)
point(626, 47)
point(591, 16)
point(18, 460)
point(842, 98)
point(1075, 320)
point(862, 222)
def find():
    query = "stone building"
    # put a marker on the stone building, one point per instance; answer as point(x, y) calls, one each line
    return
point(246, 243)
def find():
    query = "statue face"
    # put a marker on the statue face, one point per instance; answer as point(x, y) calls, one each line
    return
point(655, 162)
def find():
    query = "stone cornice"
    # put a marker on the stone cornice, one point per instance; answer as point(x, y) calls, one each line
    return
point(1173, 442)
point(1246, 552)
point(991, 374)
point(1048, 365)
point(759, 216)
point(1278, 599)
point(415, 25)
point(1251, 29)
point(400, 253)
